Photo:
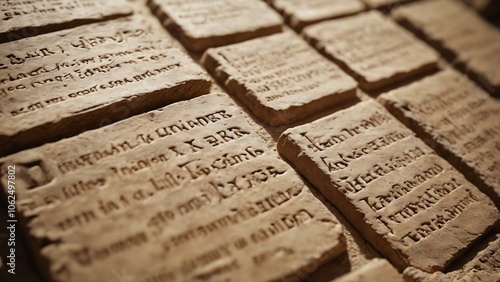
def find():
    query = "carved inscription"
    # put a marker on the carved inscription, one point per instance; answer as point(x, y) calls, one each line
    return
point(469, 41)
point(483, 266)
point(279, 77)
point(51, 15)
point(52, 78)
point(302, 13)
point(203, 24)
point(392, 187)
point(372, 48)
point(460, 119)
point(186, 177)
point(486, 265)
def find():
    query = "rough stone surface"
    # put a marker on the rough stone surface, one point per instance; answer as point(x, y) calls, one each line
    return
point(279, 77)
point(372, 48)
point(468, 41)
point(301, 13)
point(459, 120)
point(59, 84)
point(166, 183)
point(483, 267)
point(92, 200)
point(210, 23)
point(401, 196)
point(377, 270)
point(18, 16)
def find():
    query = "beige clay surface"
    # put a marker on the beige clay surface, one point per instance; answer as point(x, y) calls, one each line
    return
point(395, 189)
point(372, 48)
point(457, 118)
point(64, 82)
point(209, 23)
point(18, 16)
point(280, 77)
point(189, 178)
point(460, 35)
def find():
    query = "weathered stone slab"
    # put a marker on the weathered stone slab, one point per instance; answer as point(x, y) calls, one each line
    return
point(22, 19)
point(484, 267)
point(467, 40)
point(301, 13)
point(377, 270)
point(210, 23)
point(459, 119)
point(193, 178)
point(59, 84)
point(279, 77)
point(401, 196)
point(373, 49)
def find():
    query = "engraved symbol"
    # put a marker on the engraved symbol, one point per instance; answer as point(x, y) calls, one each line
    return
point(122, 276)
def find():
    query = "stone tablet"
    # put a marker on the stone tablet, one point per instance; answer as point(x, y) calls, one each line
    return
point(300, 13)
point(377, 270)
point(484, 267)
point(193, 178)
point(408, 202)
point(59, 84)
point(373, 49)
point(279, 77)
point(210, 23)
point(460, 119)
point(22, 19)
point(468, 41)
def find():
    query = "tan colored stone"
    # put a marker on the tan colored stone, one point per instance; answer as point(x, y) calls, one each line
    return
point(402, 197)
point(210, 23)
point(279, 77)
point(377, 270)
point(483, 267)
point(460, 35)
point(373, 49)
point(22, 19)
point(300, 13)
point(59, 84)
point(459, 119)
point(187, 192)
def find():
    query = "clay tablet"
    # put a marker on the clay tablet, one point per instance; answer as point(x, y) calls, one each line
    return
point(372, 48)
point(59, 84)
point(401, 196)
point(279, 77)
point(192, 178)
point(300, 13)
point(468, 41)
point(209, 23)
point(377, 270)
point(461, 120)
point(29, 18)
point(484, 267)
